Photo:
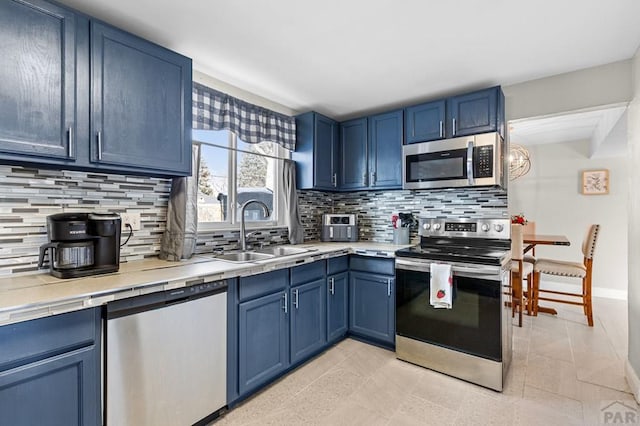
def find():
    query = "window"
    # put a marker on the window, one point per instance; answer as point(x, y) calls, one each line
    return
point(231, 172)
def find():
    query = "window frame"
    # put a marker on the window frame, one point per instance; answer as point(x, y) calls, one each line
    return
point(233, 223)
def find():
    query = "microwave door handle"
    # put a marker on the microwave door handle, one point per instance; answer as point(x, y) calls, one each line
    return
point(470, 162)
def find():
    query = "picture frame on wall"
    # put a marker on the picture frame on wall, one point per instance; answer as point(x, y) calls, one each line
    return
point(595, 182)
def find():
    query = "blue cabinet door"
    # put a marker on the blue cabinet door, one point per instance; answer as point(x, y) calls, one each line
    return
point(38, 81)
point(425, 122)
point(141, 104)
point(263, 340)
point(337, 307)
point(325, 156)
point(317, 151)
point(473, 113)
point(353, 154)
point(61, 390)
point(385, 150)
point(308, 319)
point(372, 306)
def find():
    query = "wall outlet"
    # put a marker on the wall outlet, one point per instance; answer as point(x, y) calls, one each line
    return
point(132, 219)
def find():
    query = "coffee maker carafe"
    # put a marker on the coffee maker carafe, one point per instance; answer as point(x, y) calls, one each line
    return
point(82, 244)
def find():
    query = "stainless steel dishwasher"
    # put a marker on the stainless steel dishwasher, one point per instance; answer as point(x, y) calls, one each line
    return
point(166, 357)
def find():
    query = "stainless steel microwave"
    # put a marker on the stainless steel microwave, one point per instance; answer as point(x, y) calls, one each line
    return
point(476, 160)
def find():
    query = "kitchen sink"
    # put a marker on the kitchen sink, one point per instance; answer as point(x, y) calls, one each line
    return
point(244, 256)
point(283, 251)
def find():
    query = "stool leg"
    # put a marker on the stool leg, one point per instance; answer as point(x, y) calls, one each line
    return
point(587, 299)
point(536, 287)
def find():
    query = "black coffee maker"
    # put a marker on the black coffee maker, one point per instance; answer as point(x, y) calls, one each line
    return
point(82, 244)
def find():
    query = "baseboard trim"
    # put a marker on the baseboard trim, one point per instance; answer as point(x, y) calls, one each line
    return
point(633, 380)
point(607, 293)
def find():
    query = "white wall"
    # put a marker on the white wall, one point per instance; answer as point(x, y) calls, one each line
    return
point(550, 195)
point(587, 88)
point(633, 371)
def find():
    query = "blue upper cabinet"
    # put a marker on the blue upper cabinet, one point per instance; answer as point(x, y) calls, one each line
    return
point(425, 122)
point(141, 103)
point(353, 154)
point(38, 75)
point(316, 154)
point(80, 94)
point(475, 112)
point(468, 114)
point(385, 150)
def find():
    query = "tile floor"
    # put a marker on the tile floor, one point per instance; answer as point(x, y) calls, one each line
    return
point(563, 373)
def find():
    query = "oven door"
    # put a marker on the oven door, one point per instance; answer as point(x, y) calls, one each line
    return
point(474, 323)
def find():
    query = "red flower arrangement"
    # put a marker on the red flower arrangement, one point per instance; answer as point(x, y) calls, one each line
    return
point(519, 219)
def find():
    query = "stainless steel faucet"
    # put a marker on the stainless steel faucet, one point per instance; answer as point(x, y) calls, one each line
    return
point(243, 234)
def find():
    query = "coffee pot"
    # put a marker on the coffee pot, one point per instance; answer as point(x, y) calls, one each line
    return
point(82, 244)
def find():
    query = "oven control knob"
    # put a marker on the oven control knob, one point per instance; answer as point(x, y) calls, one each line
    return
point(426, 226)
point(485, 227)
point(436, 226)
point(498, 227)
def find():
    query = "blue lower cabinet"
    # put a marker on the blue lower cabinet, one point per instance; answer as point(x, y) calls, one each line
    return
point(61, 390)
point(263, 340)
point(308, 319)
point(372, 306)
point(337, 306)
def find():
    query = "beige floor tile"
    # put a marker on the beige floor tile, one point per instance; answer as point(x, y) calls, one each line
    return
point(385, 390)
point(476, 408)
point(441, 390)
point(551, 345)
point(351, 413)
point(417, 411)
point(367, 361)
point(530, 413)
point(567, 406)
point(600, 370)
point(552, 375)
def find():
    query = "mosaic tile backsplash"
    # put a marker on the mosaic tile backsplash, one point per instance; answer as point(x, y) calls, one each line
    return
point(374, 208)
point(28, 196)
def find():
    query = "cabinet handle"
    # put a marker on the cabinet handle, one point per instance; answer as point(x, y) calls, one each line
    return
point(70, 145)
point(388, 287)
point(454, 127)
point(295, 301)
point(441, 129)
point(99, 145)
point(285, 302)
point(334, 180)
point(373, 178)
point(332, 289)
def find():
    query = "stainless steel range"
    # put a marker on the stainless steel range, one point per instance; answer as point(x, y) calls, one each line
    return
point(472, 340)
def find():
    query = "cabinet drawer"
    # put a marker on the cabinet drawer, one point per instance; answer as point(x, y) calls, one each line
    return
point(337, 264)
point(41, 338)
point(261, 284)
point(373, 265)
point(307, 273)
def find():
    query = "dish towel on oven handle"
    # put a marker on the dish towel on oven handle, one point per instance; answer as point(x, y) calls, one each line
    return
point(441, 286)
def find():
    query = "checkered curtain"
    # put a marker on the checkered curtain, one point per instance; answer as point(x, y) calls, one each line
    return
point(213, 110)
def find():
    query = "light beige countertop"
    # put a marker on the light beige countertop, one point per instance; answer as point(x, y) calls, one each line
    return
point(25, 297)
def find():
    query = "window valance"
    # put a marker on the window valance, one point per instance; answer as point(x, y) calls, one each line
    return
point(213, 110)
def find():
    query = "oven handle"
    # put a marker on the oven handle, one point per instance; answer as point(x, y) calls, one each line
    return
point(472, 271)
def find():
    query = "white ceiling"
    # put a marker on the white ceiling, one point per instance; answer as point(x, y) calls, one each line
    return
point(345, 58)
